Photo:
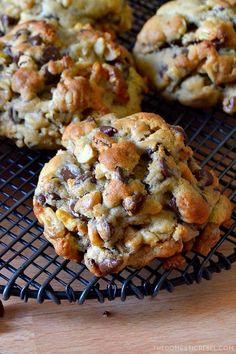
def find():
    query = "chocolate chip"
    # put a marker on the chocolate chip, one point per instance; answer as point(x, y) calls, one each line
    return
point(55, 196)
point(119, 174)
point(109, 265)
point(66, 173)
point(1, 309)
point(147, 154)
point(86, 175)
point(41, 199)
point(104, 229)
point(133, 204)
point(204, 177)
point(51, 79)
point(110, 131)
point(172, 204)
point(35, 40)
point(165, 170)
point(8, 21)
point(13, 115)
point(191, 27)
point(50, 53)
point(1, 33)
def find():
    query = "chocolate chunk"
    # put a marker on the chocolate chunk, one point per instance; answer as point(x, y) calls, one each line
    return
point(72, 209)
point(165, 170)
point(86, 175)
point(51, 79)
point(133, 204)
point(41, 199)
point(109, 265)
point(163, 70)
point(35, 40)
point(104, 229)
point(66, 173)
point(8, 21)
point(119, 174)
point(204, 177)
point(75, 214)
point(173, 205)
point(16, 57)
point(50, 53)
point(110, 131)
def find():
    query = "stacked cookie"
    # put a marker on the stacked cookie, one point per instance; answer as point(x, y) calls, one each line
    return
point(122, 191)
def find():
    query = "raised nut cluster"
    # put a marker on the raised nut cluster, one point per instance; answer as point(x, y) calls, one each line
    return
point(50, 76)
point(125, 191)
point(110, 15)
point(188, 51)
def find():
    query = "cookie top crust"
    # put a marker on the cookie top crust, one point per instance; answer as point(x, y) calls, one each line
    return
point(108, 15)
point(126, 191)
point(50, 76)
point(187, 50)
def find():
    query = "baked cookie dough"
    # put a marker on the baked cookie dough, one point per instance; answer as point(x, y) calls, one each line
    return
point(110, 15)
point(125, 191)
point(187, 50)
point(50, 76)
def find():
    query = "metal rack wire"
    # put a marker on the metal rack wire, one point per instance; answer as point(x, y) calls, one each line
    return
point(29, 267)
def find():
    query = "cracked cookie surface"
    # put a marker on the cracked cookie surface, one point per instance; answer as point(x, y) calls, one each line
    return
point(50, 76)
point(125, 191)
point(187, 50)
point(109, 15)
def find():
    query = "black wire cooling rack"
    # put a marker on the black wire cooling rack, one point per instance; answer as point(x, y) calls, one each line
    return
point(29, 267)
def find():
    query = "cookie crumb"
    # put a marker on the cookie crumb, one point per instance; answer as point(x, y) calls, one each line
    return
point(106, 314)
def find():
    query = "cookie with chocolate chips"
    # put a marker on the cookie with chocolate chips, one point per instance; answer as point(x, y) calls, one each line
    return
point(188, 52)
point(109, 15)
point(50, 76)
point(128, 190)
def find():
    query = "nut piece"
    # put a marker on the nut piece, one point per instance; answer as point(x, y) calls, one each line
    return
point(84, 153)
point(67, 220)
point(104, 229)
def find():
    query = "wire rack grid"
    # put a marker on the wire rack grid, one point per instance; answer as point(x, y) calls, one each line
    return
point(29, 267)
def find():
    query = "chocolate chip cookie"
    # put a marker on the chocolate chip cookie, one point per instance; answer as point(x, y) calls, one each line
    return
point(187, 50)
point(50, 76)
point(110, 15)
point(125, 191)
